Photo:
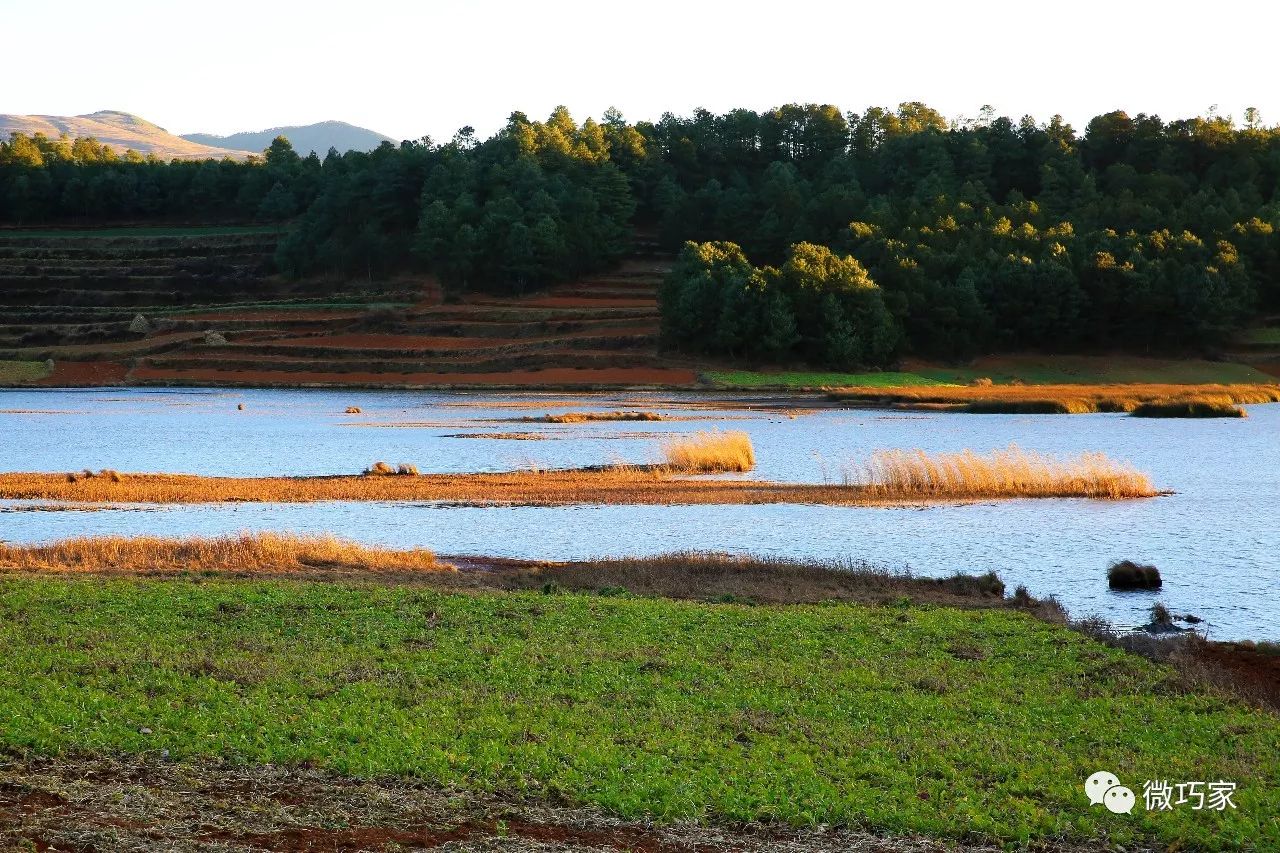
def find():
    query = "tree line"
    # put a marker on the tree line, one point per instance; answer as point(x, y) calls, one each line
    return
point(974, 234)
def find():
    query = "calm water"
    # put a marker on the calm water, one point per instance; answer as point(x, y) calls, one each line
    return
point(1214, 540)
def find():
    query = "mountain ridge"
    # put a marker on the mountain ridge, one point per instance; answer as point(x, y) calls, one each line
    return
point(318, 137)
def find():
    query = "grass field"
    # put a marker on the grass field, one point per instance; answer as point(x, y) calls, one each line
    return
point(1099, 370)
point(14, 372)
point(1032, 370)
point(1165, 400)
point(804, 379)
point(932, 720)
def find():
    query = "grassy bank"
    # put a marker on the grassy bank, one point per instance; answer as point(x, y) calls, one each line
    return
point(1007, 370)
point(934, 720)
point(1060, 399)
point(799, 379)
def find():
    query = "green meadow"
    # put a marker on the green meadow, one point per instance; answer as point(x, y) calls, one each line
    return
point(955, 723)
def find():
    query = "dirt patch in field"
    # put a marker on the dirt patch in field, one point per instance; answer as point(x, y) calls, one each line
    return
point(86, 373)
point(132, 804)
point(1250, 671)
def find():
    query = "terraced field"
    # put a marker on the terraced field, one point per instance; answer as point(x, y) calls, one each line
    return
point(212, 314)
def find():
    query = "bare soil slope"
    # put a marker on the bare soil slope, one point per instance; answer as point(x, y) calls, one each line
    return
point(118, 130)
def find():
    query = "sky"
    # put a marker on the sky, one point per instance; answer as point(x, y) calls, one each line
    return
point(409, 69)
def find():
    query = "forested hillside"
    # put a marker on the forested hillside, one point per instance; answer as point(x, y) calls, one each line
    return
point(838, 238)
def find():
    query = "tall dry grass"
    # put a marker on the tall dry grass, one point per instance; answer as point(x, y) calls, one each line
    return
point(1009, 473)
point(709, 452)
point(245, 553)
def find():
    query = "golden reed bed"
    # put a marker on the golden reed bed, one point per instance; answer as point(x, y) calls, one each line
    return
point(1010, 473)
point(889, 477)
point(263, 553)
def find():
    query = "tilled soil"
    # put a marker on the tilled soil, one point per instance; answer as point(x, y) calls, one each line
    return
point(147, 804)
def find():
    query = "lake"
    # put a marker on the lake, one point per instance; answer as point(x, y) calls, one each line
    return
point(1213, 540)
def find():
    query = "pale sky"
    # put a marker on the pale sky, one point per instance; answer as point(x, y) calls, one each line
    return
point(412, 68)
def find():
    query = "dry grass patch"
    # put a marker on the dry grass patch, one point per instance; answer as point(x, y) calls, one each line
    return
point(1010, 473)
point(245, 553)
point(709, 452)
point(1051, 399)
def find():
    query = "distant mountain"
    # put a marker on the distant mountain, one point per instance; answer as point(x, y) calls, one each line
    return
point(119, 131)
point(319, 137)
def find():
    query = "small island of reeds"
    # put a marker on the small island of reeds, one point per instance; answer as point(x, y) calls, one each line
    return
point(888, 477)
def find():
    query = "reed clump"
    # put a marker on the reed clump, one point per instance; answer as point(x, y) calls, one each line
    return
point(709, 452)
point(382, 469)
point(1199, 406)
point(1009, 473)
point(1127, 575)
point(88, 474)
point(243, 553)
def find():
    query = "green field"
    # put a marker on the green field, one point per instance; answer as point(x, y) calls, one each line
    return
point(15, 372)
point(977, 723)
point(1269, 335)
point(139, 231)
point(803, 379)
point(1032, 370)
